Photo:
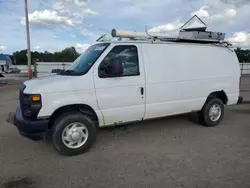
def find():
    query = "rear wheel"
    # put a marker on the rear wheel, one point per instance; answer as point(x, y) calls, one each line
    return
point(212, 112)
point(73, 133)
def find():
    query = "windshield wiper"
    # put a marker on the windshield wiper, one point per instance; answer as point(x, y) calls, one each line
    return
point(67, 72)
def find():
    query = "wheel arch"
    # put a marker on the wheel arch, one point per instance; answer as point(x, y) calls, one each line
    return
point(83, 108)
point(220, 95)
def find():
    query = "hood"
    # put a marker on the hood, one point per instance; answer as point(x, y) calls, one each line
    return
point(53, 84)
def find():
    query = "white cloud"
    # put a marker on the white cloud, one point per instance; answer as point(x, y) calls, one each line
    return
point(202, 12)
point(90, 12)
point(48, 19)
point(74, 8)
point(60, 4)
point(36, 47)
point(2, 48)
point(241, 38)
point(71, 5)
point(222, 15)
point(65, 14)
point(86, 32)
point(81, 47)
point(237, 3)
point(173, 26)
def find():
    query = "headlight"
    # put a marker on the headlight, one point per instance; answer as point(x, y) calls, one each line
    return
point(31, 105)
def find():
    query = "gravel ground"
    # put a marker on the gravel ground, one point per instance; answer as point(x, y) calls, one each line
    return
point(170, 152)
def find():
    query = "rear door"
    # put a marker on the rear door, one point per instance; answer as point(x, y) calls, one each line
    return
point(121, 98)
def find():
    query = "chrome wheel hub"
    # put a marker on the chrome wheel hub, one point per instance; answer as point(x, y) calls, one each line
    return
point(75, 135)
point(215, 112)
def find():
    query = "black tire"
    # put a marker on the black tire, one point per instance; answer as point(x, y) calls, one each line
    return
point(204, 113)
point(63, 121)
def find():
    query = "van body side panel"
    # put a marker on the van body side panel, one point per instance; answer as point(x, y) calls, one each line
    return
point(179, 77)
point(79, 90)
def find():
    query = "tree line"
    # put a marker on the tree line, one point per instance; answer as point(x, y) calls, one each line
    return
point(70, 54)
point(67, 55)
point(243, 55)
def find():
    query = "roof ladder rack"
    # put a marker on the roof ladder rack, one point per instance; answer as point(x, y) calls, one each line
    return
point(193, 31)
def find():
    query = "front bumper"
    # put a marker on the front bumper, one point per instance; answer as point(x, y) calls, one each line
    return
point(240, 100)
point(32, 129)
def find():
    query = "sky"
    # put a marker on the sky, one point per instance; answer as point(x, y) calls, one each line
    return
point(57, 24)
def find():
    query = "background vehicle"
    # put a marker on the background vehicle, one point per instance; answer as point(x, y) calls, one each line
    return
point(56, 70)
point(12, 70)
point(127, 81)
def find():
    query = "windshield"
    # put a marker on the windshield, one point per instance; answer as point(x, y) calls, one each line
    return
point(85, 61)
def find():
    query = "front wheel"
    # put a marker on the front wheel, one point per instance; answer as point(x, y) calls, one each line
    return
point(212, 112)
point(73, 133)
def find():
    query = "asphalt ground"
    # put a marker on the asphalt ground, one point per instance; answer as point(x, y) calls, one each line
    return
point(170, 152)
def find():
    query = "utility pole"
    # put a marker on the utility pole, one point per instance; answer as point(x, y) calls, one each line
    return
point(28, 40)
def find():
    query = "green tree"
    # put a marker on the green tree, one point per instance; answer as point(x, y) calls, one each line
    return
point(243, 55)
point(67, 55)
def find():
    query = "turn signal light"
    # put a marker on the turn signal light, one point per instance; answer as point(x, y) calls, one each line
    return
point(36, 98)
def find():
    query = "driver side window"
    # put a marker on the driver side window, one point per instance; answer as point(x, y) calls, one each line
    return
point(121, 61)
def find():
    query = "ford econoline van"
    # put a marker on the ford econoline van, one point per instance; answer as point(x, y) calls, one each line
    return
point(117, 82)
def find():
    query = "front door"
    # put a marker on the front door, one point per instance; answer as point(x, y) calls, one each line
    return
point(121, 98)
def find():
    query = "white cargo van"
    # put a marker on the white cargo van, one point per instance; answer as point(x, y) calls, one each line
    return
point(116, 82)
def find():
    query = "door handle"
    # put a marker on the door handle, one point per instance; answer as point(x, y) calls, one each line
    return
point(142, 90)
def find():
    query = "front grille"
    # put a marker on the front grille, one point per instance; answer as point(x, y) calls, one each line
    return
point(25, 105)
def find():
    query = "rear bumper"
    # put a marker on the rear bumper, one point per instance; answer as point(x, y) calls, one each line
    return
point(32, 129)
